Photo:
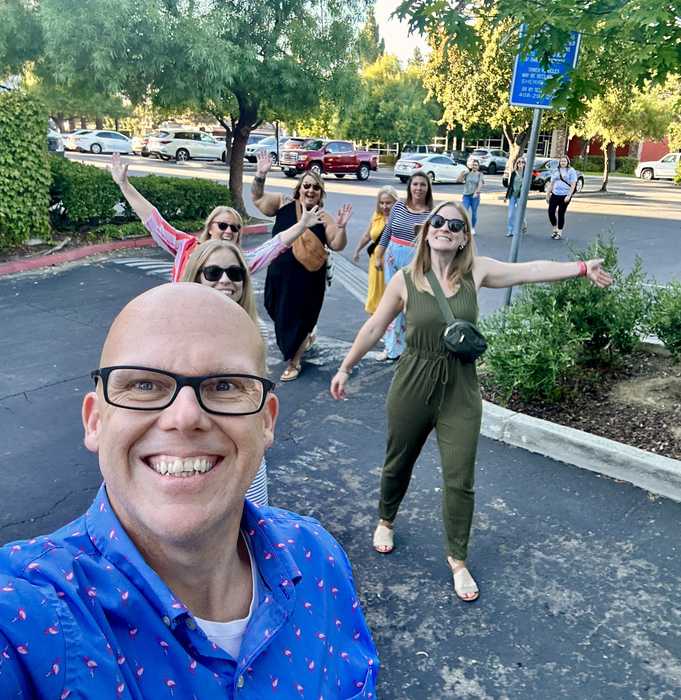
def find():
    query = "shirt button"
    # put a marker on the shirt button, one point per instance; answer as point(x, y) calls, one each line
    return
point(240, 682)
point(190, 623)
point(166, 621)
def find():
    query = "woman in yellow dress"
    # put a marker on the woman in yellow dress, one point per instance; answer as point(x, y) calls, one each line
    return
point(386, 197)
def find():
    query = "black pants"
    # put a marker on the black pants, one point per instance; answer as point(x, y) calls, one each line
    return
point(557, 201)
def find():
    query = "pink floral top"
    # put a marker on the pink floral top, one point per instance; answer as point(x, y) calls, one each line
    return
point(181, 245)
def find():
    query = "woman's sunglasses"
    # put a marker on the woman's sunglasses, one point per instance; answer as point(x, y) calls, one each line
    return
point(213, 273)
point(223, 226)
point(309, 185)
point(454, 225)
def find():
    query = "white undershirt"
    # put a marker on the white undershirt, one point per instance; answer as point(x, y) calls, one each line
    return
point(228, 635)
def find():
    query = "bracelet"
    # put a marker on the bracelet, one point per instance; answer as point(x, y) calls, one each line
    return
point(582, 268)
point(345, 371)
point(259, 179)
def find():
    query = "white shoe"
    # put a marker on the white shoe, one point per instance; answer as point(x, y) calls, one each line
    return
point(472, 232)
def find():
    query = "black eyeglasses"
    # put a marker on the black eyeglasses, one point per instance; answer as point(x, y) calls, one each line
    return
point(309, 185)
point(454, 225)
point(212, 273)
point(146, 389)
point(223, 226)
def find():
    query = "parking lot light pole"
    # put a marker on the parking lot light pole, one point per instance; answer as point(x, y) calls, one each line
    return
point(524, 192)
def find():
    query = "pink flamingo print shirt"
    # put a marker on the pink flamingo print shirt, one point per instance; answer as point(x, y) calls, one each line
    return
point(83, 616)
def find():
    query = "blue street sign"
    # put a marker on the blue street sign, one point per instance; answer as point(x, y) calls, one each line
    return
point(529, 76)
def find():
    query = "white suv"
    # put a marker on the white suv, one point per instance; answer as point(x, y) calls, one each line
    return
point(663, 168)
point(184, 144)
point(491, 160)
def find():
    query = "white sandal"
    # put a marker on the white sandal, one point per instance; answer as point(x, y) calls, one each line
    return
point(384, 537)
point(464, 584)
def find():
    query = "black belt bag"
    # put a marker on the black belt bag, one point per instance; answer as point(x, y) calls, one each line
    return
point(460, 337)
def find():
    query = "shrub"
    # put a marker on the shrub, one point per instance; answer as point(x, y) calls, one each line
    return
point(626, 165)
point(388, 159)
point(665, 317)
point(81, 194)
point(133, 229)
point(590, 164)
point(677, 177)
point(531, 352)
point(84, 194)
point(24, 173)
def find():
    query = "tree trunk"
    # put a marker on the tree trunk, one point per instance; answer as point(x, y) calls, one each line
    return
point(99, 123)
point(59, 119)
point(248, 117)
point(72, 123)
point(606, 165)
point(518, 144)
point(83, 123)
point(117, 124)
point(612, 157)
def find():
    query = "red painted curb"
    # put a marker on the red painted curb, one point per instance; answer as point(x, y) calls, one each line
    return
point(25, 264)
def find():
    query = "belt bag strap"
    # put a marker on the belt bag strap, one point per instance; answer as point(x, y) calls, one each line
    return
point(440, 298)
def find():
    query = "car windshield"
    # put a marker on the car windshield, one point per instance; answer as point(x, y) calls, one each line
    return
point(269, 141)
point(479, 152)
point(414, 156)
point(312, 144)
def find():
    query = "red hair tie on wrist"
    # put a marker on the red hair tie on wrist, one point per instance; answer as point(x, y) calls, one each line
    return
point(582, 268)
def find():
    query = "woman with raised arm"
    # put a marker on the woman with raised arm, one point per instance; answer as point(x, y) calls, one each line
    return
point(223, 223)
point(296, 280)
point(433, 388)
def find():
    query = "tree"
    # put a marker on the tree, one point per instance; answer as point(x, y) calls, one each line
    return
point(392, 105)
point(471, 83)
point(618, 116)
point(370, 46)
point(241, 60)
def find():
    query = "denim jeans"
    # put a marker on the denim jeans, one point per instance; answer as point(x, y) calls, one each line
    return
point(513, 203)
point(472, 202)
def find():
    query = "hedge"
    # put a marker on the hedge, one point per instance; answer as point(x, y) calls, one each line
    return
point(624, 165)
point(24, 173)
point(86, 195)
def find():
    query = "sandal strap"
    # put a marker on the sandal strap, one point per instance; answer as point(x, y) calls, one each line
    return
point(384, 536)
point(464, 583)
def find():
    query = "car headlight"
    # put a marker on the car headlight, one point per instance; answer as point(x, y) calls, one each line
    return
point(300, 156)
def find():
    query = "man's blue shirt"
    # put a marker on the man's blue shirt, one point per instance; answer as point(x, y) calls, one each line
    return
point(83, 616)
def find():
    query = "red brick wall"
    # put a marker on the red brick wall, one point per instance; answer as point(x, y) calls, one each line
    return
point(654, 150)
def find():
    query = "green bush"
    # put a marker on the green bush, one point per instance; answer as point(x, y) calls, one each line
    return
point(86, 195)
point(81, 194)
point(388, 159)
point(665, 317)
point(626, 165)
point(133, 229)
point(590, 164)
point(677, 177)
point(24, 173)
point(531, 352)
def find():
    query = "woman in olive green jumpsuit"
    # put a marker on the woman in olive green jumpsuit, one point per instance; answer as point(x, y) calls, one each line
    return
point(432, 388)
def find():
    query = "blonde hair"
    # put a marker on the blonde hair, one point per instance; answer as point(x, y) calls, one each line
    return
point(205, 233)
point(463, 259)
point(199, 257)
point(390, 191)
point(318, 180)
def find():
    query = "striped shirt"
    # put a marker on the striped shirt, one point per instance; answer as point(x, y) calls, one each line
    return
point(181, 245)
point(402, 224)
point(257, 491)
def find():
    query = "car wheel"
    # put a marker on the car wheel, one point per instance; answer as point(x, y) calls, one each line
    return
point(340, 176)
point(290, 173)
point(144, 155)
point(95, 148)
point(647, 174)
point(317, 169)
point(274, 158)
point(182, 155)
point(163, 156)
point(402, 178)
point(363, 172)
point(492, 168)
point(580, 184)
point(431, 177)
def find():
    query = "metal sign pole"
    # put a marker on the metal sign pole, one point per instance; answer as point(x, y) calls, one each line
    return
point(524, 192)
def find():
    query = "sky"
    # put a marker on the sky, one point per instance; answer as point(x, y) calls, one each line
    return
point(395, 33)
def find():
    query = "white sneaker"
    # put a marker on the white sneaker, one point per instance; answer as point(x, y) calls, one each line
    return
point(472, 232)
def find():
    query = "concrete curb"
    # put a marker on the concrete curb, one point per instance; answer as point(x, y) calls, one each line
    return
point(40, 261)
point(660, 475)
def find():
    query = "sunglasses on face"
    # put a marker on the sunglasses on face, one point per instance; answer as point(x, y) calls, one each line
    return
point(213, 273)
point(223, 226)
point(308, 185)
point(454, 225)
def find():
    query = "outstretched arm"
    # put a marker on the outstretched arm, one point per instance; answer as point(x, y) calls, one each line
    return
point(391, 304)
point(495, 274)
point(268, 204)
point(335, 230)
point(361, 244)
point(119, 172)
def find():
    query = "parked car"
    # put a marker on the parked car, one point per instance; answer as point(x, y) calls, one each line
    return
point(321, 156)
point(269, 144)
point(542, 170)
point(140, 144)
point(491, 160)
point(437, 167)
point(100, 141)
point(460, 157)
point(185, 144)
point(77, 132)
point(664, 169)
point(418, 148)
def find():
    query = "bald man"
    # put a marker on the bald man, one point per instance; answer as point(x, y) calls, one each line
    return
point(172, 584)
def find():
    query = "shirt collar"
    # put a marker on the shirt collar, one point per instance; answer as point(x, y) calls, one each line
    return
point(269, 543)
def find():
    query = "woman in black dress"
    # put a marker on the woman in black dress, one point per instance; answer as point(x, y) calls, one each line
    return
point(294, 292)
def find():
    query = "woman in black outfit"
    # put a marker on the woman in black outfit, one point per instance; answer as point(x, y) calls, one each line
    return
point(294, 293)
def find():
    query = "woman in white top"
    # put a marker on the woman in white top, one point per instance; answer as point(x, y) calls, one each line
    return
point(559, 193)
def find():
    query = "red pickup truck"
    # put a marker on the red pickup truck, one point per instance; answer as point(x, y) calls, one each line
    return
point(319, 156)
